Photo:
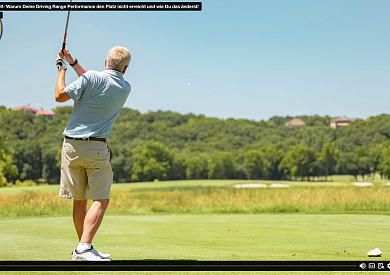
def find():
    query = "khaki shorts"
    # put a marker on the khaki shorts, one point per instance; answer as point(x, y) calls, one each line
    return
point(85, 170)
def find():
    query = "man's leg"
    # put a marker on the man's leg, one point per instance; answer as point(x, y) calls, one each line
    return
point(93, 219)
point(99, 174)
point(79, 212)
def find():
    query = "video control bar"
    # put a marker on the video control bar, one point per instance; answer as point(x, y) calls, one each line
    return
point(190, 265)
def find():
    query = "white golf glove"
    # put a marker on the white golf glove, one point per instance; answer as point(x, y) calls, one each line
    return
point(61, 63)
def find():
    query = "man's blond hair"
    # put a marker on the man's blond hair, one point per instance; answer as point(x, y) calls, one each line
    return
point(118, 58)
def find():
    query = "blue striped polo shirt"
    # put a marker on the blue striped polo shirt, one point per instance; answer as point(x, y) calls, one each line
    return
point(98, 99)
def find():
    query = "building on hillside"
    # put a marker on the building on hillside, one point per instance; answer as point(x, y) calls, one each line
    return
point(49, 115)
point(295, 122)
point(341, 121)
point(25, 108)
point(37, 112)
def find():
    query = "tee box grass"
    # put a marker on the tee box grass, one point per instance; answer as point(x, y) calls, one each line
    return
point(275, 237)
point(200, 236)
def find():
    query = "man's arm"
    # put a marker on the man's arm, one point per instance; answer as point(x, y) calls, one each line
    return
point(61, 95)
point(77, 68)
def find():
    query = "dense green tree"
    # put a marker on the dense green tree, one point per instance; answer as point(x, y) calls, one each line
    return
point(375, 157)
point(363, 161)
point(197, 166)
point(317, 120)
point(7, 168)
point(299, 161)
point(152, 160)
point(122, 162)
point(273, 157)
point(179, 166)
point(384, 166)
point(327, 158)
point(221, 166)
point(280, 121)
point(348, 164)
point(256, 165)
point(50, 164)
point(263, 163)
point(28, 159)
point(202, 147)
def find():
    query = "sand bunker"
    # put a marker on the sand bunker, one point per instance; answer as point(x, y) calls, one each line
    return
point(279, 185)
point(250, 185)
point(362, 183)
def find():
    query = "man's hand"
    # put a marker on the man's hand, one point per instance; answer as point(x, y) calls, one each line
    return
point(69, 57)
point(61, 62)
point(61, 95)
point(78, 68)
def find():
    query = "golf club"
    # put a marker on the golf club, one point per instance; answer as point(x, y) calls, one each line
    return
point(66, 30)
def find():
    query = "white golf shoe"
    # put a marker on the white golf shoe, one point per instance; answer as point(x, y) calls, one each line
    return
point(102, 255)
point(89, 255)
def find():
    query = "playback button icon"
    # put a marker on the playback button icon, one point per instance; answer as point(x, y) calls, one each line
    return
point(362, 266)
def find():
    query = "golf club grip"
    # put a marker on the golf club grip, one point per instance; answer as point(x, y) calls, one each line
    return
point(63, 44)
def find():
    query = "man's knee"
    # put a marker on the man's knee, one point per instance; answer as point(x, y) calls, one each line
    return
point(103, 203)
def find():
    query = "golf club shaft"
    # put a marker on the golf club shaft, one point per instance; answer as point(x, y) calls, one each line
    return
point(66, 30)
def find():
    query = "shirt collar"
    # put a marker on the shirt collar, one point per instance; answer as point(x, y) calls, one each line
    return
point(114, 73)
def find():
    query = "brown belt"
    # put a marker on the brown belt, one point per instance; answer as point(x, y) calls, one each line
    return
point(90, 138)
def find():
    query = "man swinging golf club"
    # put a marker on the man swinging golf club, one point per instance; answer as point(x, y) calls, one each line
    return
point(85, 160)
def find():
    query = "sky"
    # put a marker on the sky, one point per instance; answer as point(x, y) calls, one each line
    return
point(244, 59)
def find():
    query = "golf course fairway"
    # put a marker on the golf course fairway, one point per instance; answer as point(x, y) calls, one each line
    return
point(274, 237)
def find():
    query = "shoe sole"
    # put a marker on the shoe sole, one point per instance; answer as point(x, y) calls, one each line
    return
point(81, 259)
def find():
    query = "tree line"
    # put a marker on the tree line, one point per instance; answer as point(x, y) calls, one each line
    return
point(171, 146)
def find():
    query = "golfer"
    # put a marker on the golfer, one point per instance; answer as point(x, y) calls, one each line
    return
point(86, 172)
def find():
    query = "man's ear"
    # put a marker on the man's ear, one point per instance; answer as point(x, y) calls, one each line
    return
point(123, 72)
point(105, 63)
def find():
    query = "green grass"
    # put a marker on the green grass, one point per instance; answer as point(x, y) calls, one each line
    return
point(165, 184)
point(210, 199)
point(279, 237)
point(332, 181)
point(131, 186)
point(44, 220)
